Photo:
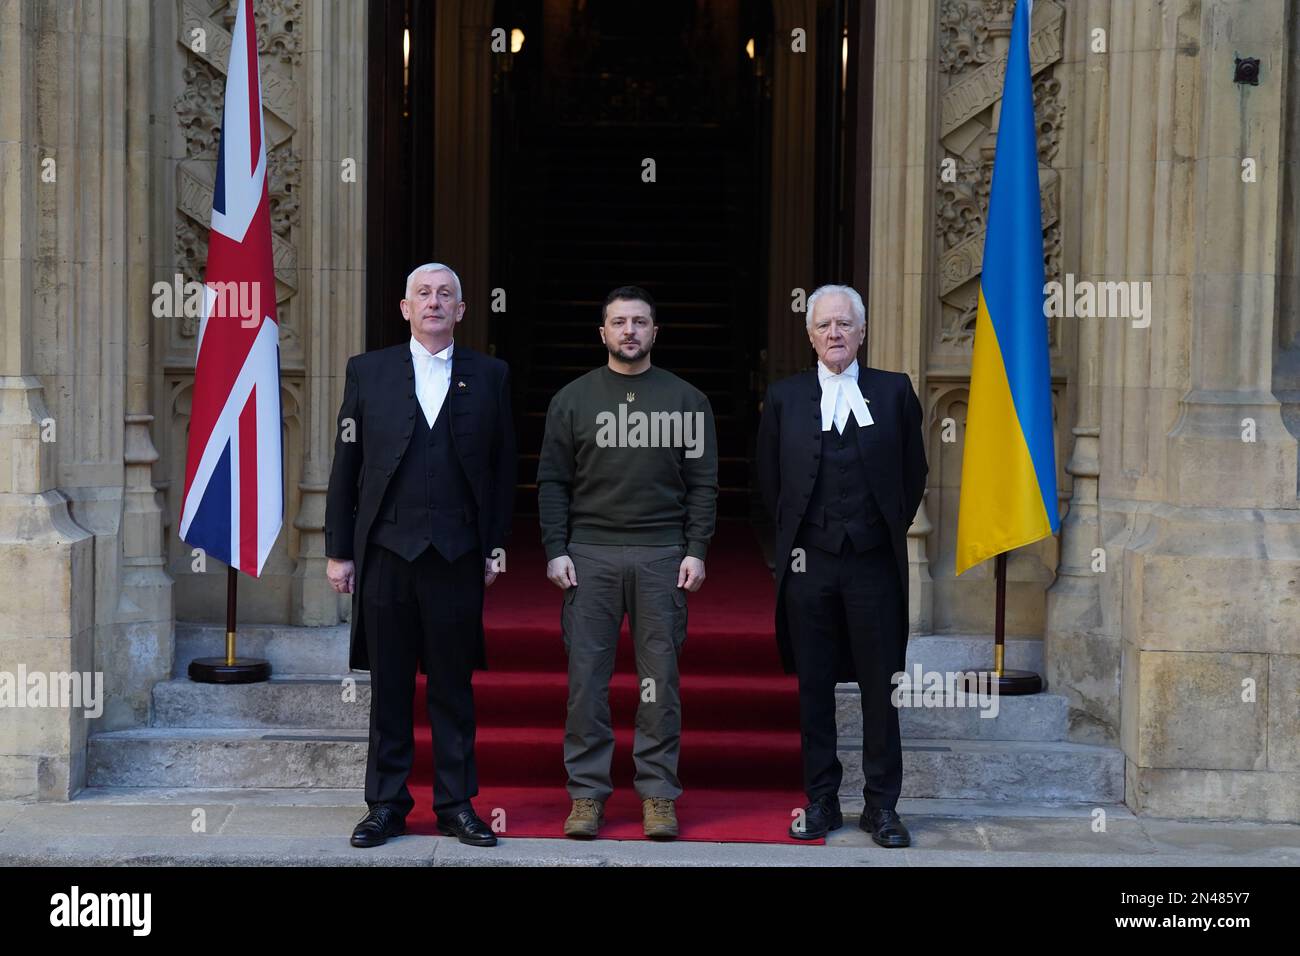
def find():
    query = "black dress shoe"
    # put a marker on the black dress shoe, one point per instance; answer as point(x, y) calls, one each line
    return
point(379, 824)
point(885, 827)
point(819, 818)
point(468, 828)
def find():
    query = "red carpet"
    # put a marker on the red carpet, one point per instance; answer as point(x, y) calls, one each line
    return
point(739, 764)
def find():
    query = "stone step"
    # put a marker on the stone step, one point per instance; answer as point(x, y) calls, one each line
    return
point(1024, 718)
point(186, 757)
point(239, 758)
point(323, 651)
point(152, 827)
point(355, 798)
point(998, 770)
point(327, 702)
point(283, 702)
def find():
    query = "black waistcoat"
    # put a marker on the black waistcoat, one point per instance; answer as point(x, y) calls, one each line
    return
point(429, 500)
point(841, 504)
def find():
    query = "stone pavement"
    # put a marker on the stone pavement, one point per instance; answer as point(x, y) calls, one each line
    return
point(310, 828)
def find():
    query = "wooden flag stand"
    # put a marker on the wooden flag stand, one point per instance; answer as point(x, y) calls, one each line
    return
point(230, 669)
point(1009, 682)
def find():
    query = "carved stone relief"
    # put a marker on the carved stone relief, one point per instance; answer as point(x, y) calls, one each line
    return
point(973, 39)
point(198, 109)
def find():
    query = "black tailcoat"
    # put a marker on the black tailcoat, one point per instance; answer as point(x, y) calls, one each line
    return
point(893, 462)
point(379, 400)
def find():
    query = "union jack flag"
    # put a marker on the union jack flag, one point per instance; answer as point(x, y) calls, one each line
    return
point(233, 505)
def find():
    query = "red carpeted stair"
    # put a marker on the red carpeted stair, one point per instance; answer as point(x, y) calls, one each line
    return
point(739, 764)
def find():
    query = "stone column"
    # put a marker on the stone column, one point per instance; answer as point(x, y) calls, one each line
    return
point(140, 650)
point(1198, 477)
point(331, 269)
point(1286, 360)
point(1081, 657)
point(47, 608)
point(904, 170)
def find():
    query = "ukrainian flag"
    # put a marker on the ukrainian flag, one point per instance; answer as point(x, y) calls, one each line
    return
point(1008, 476)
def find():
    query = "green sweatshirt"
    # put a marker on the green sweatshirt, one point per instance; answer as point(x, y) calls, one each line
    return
point(628, 459)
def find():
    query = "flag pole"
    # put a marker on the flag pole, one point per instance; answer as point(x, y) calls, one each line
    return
point(232, 590)
point(1000, 609)
point(230, 669)
point(1009, 681)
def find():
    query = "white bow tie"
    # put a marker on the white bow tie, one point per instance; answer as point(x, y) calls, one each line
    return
point(840, 396)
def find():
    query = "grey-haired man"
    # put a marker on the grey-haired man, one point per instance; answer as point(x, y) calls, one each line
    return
point(419, 504)
point(841, 466)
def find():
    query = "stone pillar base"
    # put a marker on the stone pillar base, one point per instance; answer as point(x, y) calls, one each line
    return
point(1211, 663)
point(45, 628)
point(1268, 796)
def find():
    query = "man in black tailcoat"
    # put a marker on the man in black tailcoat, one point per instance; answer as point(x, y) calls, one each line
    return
point(841, 467)
point(419, 505)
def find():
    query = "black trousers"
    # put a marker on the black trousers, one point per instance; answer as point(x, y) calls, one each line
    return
point(425, 610)
point(848, 604)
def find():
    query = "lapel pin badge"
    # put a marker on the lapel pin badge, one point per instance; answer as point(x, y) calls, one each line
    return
point(460, 384)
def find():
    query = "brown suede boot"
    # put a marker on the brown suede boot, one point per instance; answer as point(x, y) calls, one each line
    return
point(584, 819)
point(660, 818)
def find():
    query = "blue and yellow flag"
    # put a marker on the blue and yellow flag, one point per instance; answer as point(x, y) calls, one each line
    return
point(1008, 475)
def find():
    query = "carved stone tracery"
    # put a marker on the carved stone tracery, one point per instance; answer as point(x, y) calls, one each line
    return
point(963, 36)
point(973, 38)
point(199, 107)
point(279, 30)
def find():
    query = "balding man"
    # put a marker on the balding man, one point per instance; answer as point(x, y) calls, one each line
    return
point(419, 502)
point(842, 469)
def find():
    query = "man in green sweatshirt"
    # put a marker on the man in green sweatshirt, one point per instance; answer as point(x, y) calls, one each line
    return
point(627, 487)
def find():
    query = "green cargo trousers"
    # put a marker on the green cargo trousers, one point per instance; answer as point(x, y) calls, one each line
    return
point(641, 582)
